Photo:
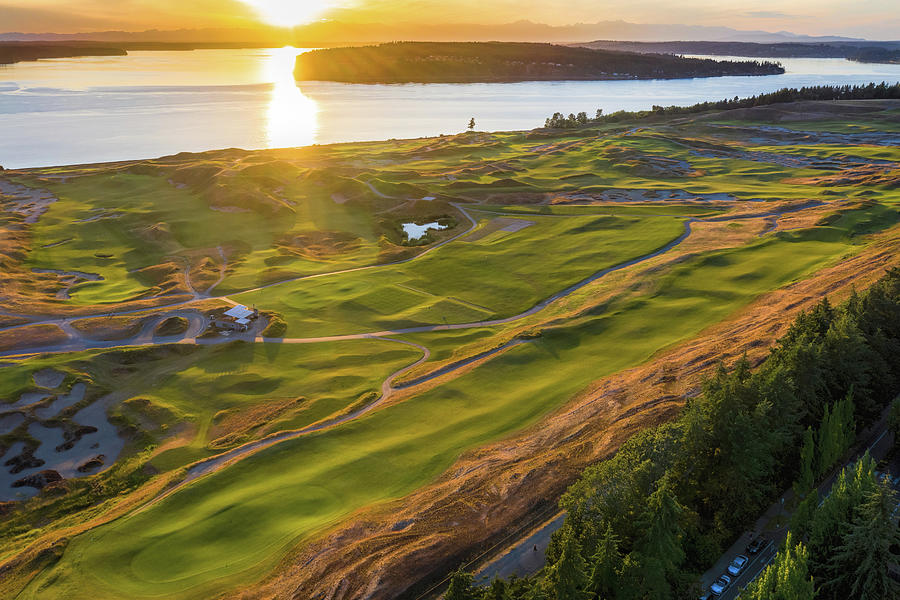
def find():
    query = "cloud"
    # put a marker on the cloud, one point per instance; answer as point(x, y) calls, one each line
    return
point(769, 14)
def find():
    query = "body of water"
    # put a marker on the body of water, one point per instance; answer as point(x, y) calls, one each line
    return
point(149, 104)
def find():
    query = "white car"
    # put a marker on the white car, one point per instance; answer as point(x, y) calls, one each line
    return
point(720, 585)
point(737, 565)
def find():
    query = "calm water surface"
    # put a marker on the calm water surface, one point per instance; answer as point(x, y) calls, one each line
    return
point(148, 104)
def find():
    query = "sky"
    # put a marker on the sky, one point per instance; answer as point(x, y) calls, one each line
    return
point(873, 19)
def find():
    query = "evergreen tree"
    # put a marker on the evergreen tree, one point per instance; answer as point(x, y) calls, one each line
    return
point(568, 578)
point(802, 519)
point(861, 563)
point(831, 519)
point(787, 578)
point(607, 562)
point(461, 586)
point(826, 443)
point(662, 526)
point(497, 590)
point(806, 478)
point(894, 421)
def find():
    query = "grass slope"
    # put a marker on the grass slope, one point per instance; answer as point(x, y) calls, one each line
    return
point(235, 525)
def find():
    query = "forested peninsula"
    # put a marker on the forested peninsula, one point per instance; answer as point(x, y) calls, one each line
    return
point(476, 62)
point(13, 52)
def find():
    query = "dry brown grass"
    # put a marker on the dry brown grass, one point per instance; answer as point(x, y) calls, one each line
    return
point(234, 426)
point(31, 336)
point(109, 328)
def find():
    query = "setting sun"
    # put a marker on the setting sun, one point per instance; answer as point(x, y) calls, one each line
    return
point(288, 13)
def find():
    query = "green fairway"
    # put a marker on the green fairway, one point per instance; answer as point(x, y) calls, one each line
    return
point(458, 283)
point(300, 383)
point(313, 238)
point(237, 523)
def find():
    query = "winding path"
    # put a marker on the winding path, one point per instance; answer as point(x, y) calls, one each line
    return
point(198, 324)
point(219, 461)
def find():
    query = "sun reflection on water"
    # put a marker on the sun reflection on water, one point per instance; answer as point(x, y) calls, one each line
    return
point(291, 117)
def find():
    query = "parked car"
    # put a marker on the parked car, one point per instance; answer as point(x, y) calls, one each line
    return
point(737, 565)
point(720, 585)
point(755, 546)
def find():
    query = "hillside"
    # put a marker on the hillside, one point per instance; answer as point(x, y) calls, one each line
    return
point(452, 62)
point(399, 403)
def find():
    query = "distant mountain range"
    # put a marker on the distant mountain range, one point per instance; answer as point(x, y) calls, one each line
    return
point(862, 50)
point(325, 33)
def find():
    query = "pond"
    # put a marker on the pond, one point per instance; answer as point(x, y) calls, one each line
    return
point(415, 232)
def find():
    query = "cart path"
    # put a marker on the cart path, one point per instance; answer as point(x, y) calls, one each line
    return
point(79, 343)
point(219, 461)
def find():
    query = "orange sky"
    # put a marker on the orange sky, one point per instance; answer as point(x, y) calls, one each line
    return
point(875, 19)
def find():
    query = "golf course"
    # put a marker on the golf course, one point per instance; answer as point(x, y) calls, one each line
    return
point(390, 390)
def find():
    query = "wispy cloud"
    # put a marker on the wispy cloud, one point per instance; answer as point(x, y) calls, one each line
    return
point(769, 14)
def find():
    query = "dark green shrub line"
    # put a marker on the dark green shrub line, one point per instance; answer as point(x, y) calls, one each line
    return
point(871, 91)
point(646, 522)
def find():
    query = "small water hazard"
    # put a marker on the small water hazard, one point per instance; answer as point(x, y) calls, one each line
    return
point(414, 231)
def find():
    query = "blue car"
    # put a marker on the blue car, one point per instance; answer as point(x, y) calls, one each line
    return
point(720, 585)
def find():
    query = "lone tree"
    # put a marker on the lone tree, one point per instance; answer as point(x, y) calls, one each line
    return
point(472, 124)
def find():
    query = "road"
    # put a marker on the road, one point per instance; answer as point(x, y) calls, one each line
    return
point(879, 444)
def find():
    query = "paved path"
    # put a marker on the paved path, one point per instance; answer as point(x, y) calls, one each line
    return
point(198, 324)
point(215, 463)
point(525, 557)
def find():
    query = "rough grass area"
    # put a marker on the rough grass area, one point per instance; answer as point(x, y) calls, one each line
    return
point(272, 500)
point(31, 336)
point(764, 206)
point(109, 328)
point(172, 326)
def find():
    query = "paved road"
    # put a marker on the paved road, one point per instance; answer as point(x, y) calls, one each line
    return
point(880, 442)
point(525, 557)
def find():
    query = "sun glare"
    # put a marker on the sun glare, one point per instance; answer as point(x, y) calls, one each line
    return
point(288, 13)
point(291, 118)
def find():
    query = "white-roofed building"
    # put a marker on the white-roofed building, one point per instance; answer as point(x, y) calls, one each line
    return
point(237, 318)
point(240, 312)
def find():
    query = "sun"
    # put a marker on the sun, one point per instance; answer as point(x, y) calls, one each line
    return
point(288, 13)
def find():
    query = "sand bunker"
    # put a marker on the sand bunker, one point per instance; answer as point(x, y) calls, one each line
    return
point(644, 195)
point(10, 421)
point(49, 378)
point(28, 202)
point(100, 216)
point(75, 395)
point(70, 279)
point(92, 444)
point(772, 135)
point(25, 400)
point(793, 161)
